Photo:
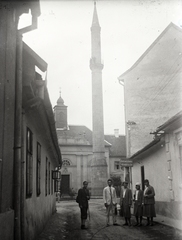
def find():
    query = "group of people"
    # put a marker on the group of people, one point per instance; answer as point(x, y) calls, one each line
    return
point(144, 203)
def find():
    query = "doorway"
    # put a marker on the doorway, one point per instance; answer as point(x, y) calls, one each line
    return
point(65, 184)
point(143, 177)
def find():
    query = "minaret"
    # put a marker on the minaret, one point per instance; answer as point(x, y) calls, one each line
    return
point(99, 165)
point(60, 114)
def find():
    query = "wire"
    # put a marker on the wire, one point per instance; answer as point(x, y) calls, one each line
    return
point(146, 104)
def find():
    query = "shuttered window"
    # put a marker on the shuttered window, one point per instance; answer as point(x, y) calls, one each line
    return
point(38, 177)
point(46, 176)
point(29, 163)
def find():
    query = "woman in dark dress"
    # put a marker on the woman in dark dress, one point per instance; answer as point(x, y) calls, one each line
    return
point(149, 203)
point(125, 204)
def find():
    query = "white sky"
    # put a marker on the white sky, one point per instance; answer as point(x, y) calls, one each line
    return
point(63, 40)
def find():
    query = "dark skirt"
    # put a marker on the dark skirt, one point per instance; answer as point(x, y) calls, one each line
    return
point(83, 212)
point(125, 211)
point(149, 210)
point(138, 209)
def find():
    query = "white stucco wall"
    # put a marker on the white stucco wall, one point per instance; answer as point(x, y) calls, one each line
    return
point(175, 141)
point(38, 209)
point(155, 167)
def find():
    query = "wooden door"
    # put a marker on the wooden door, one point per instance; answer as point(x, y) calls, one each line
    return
point(65, 184)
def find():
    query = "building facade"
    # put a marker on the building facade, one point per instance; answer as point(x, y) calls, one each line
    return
point(153, 88)
point(41, 153)
point(28, 142)
point(165, 154)
point(153, 94)
point(76, 144)
point(117, 153)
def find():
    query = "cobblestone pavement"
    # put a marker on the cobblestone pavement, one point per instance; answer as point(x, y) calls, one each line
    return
point(65, 224)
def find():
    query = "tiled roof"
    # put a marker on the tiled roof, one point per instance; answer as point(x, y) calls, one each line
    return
point(118, 148)
point(76, 131)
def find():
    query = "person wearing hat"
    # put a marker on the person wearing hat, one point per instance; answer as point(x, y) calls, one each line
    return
point(82, 200)
point(138, 198)
point(149, 203)
point(125, 204)
point(110, 201)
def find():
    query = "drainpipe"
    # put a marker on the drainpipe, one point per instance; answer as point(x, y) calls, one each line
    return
point(30, 28)
point(17, 139)
point(18, 161)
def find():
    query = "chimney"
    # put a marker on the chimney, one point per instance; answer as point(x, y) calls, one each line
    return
point(116, 133)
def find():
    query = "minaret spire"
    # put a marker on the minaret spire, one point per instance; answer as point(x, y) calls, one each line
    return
point(95, 20)
point(98, 166)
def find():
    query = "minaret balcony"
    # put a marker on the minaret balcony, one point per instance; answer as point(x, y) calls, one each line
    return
point(95, 65)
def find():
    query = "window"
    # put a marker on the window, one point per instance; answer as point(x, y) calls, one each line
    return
point(49, 179)
point(46, 177)
point(180, 155)
point(143, 177)
point(29, 163)
point(65, 163)
point(116, 165)
point(38, 168)
point(52, 186)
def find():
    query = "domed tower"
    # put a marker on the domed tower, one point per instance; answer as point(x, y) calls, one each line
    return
point(99, 166)
point(60, 113)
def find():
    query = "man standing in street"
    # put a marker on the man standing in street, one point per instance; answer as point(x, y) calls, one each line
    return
point(125, 203)
point(110, 201)
point(82, 200)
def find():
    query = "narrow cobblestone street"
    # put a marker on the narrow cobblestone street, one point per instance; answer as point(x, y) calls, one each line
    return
point(65, 224)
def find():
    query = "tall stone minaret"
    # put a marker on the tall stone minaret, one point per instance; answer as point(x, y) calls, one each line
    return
point(99, 165)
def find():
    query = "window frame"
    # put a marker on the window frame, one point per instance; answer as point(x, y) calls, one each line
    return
point(29, 163)
point(38, 172)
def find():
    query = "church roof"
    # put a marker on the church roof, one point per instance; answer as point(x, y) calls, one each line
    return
point(60, 100)
point(118, 148)
point(78, 132)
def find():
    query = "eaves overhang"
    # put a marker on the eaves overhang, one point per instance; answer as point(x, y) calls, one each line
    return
point(38, 111)
point(36, 59)
point(172, 124)
point(146, 149)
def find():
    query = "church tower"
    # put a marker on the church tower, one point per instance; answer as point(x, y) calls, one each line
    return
point(99, 166)
point(60, 114)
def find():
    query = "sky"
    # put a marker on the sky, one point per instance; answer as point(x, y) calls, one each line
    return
point(63, 40)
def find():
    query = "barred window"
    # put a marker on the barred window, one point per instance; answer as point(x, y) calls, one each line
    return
point(29, 163)
point(38, 168)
